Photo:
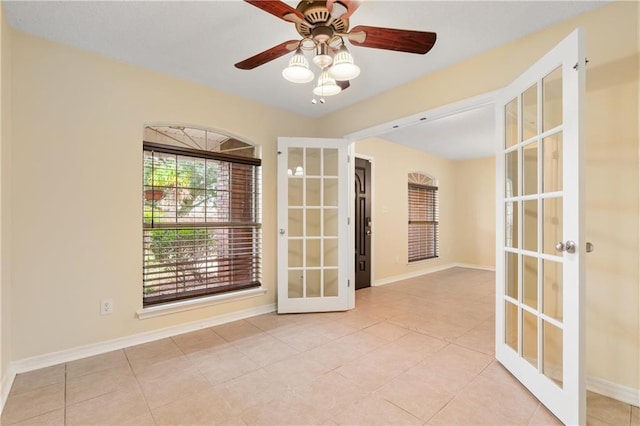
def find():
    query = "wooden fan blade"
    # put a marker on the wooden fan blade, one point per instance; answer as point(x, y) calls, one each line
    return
point(268, 55)
point(343, 84)
point(276, 8)
point(351, 6)
point(393, 39)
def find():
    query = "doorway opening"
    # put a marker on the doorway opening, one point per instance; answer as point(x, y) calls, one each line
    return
point(363, 223)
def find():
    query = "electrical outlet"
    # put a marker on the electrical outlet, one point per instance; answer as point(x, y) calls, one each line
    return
point(106, 306)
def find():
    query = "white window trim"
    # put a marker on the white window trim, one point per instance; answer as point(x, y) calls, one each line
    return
point(418, 262)
point(202, 302)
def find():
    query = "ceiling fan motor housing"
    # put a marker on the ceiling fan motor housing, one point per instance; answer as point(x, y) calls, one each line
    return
point(316, 14)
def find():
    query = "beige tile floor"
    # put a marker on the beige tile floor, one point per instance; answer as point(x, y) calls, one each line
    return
point(419, 351)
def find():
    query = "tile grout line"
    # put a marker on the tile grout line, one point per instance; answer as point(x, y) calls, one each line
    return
point(406, 411)
point(448, 343)
point(443, 407)
point(135, 376)
point(534, 413)
point(457, 394)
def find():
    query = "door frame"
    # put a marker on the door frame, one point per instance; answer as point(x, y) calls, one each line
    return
point(484, 100)
point(488, 99)
point(372, 162)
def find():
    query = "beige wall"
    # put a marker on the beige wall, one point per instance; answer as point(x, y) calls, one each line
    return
point(466, 191)
point(613, 322)
point(5, 213)
point(613, 330)
point(77, 160)
point(392, 163)
point(475, 212)
point(77, 125)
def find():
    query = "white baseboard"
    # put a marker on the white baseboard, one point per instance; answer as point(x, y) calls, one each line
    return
point(47, 360)
point(616, 391)
point(472, 266)
point(425, 271)
point(412, 274)
point(5, 386)
point(622, 393)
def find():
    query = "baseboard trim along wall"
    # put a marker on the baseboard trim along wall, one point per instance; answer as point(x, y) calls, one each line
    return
point(613, 390)
point(413, 274)
point(5, 386)
point(616, 391)
point(47, 360)
point(471, 266)
point(622, 393)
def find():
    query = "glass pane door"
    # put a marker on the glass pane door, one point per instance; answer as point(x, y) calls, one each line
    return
point(539, 300)
point(312, 225)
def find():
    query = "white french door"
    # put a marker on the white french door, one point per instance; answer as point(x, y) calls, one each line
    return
point(315, 262)
point(540, 245)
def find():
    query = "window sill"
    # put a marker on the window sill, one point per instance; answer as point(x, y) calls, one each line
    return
point(418, 262)
point(187, 305)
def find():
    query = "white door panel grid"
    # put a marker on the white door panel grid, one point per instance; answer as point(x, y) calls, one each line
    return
point(539, 234)
point(315, 258)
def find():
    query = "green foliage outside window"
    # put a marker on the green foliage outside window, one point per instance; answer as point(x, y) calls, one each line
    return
point(189, 194)
point(182, 252)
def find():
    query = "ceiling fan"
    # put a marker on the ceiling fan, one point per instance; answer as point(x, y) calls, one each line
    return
point(323, 25)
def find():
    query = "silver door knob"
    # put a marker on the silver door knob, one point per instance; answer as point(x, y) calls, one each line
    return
point(281, 231)
point(569, 246)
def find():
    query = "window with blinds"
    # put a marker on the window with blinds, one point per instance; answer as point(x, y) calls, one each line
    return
point(201, 223)
point(423, 222)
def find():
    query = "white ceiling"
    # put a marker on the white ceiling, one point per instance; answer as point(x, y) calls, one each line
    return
point(462, 136)
point(201, 40)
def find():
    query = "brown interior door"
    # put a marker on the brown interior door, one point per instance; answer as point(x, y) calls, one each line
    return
point(363, 223)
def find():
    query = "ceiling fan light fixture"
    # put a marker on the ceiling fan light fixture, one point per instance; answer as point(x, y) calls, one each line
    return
point(298, 70)
point(343, 68)
point(326, 86)
point(323, 25)
point(322, 59)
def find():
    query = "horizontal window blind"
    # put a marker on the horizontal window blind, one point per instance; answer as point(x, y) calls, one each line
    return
point(423, 222)
point(201, 224)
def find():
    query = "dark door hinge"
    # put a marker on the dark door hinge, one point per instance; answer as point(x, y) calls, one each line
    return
point(575, 67)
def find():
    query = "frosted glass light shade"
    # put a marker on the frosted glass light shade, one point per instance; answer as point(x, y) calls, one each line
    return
point(326, 86)
point(298, 70)
point(343, 67)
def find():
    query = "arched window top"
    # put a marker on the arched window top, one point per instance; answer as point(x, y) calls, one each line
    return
point(420, 178)
point(198, 139)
